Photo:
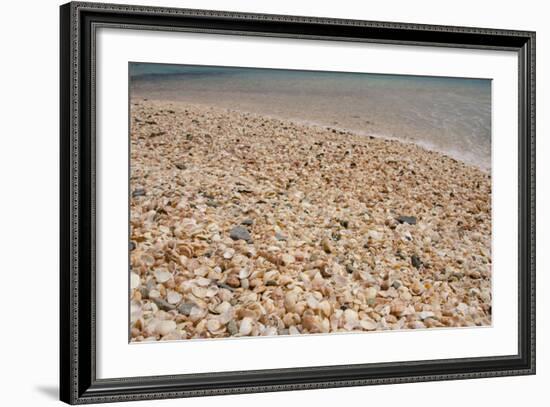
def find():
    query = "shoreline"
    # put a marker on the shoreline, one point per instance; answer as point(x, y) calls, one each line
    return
point(244, 225)
point(426, 145)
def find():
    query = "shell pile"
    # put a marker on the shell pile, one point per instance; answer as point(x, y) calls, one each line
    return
point(243, 225)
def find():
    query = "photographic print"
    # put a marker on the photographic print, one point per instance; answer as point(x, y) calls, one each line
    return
point(270, 202)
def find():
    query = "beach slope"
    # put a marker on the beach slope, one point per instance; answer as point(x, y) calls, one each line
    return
point(247, 225)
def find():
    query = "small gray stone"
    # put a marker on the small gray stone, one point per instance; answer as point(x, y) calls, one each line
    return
point(223, 285)
point(280, 237)
point(138, 192)
point(415, 261)
point(164, 305)
point(247, 222)
point(240, 233)
point(185, 308)
point(232, 327)
point(144, 292)
point(411, 220)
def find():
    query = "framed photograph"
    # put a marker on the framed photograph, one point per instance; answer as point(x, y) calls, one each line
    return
point(255, 203)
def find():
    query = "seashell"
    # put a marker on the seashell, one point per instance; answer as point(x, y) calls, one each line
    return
point(271, 275)
point(312, 302)
point(229, 253)
point(397, 308)
point(196, 314)
point(371, 293)
point(269, 331)
point(154, 294)
point(173, 297)
point(311, 323)
point(375, 235)
point(199, 292)
point(327, 247)
point(212, 291)
point(134, 281)
point(368, 324)
point(426, 314)
point(351, 319)
point(201, 271)
point(244, 273)
point(147, 260)
point(326, 308)
point(203, 282)
point(417, 325)
point(214, 326)
point(185, 250)
point(245, 327)
point(417, 288)
point(287, 259)
point(292, 330)
point(290, 301)
point(165, 327)
point(233, 281)
point(162, 275)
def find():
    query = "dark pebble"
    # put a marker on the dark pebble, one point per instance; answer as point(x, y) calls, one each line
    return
point(415, 261)
point(138, 192)
point(232, 327)
point(144, 292)
point(247, 222)
point(227, 287)
point(164, 305)
point(185, 308)
point(240, 233)
point(411, 220)
point(132, 246)
point(344, 223)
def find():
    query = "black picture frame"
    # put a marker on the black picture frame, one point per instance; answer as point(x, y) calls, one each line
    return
point(78, 382)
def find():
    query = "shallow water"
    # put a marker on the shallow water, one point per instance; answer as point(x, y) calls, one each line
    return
point(450, 115)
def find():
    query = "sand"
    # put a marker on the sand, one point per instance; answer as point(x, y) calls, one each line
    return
point(245, 225)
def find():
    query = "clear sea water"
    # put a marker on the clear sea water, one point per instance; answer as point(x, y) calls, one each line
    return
point(450, 115)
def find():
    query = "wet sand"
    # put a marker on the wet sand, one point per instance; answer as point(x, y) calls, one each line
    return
point(243, 225)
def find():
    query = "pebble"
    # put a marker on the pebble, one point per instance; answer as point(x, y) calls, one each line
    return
point(138, 192)
point(415, 261)
point(411, 220)
point(163, 305)
point(185, 308)
point(240, 233)
point(232, 327)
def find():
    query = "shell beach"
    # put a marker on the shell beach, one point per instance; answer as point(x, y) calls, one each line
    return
point(247, 225)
